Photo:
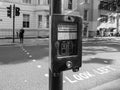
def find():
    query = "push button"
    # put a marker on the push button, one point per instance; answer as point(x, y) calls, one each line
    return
point(69, 64)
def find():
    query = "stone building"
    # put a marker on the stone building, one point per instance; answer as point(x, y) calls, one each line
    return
point(34, 16)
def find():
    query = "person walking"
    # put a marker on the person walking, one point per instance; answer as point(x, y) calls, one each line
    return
point(98, 33)
point(21, 35)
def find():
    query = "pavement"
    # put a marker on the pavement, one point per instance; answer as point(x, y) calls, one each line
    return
point(102, 38)
point(34, 41)
point(113, 85)
point(39, 41)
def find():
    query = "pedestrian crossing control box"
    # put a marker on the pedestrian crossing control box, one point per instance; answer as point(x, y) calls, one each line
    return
point(66, 43)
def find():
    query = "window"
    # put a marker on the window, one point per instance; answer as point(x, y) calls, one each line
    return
point(70, 4)
point(47, 21)
point(85, 14)
point(40, 2)
point(27, 1)
point(40, 21)
point(26, 20)
point(48, 1)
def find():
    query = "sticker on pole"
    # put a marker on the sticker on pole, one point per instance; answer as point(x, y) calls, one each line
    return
point(67, 31)
point(67, 37)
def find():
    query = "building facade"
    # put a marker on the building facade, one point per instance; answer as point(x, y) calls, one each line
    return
point(89, 11)
point(34, 16)
point(108, 22)
point(99, 14)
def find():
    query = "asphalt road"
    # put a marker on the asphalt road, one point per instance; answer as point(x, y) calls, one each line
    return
point(26, 67)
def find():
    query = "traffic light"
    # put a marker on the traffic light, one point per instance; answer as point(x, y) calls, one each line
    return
point(9, 11)
point(17, 11)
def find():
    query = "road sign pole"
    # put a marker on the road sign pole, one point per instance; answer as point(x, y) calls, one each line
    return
point(55, 79)
point(13, 23)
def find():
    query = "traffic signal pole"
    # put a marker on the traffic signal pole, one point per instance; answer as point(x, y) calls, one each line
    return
point(117, 23)
point(16, 12)
point(13, 23)
point(117, 11)
point(55, 79)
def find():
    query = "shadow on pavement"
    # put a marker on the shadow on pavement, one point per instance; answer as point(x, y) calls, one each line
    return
point(97, 48)
point(93, 50)
point(15, 55)
point(99, 60)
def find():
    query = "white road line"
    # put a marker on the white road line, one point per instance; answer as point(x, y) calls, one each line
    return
point(23, 48)
point(106, 61)
point(46, 75)
point(25, 81)
point(34, 60)
point(25, 51)
point(93, 57)
point(28, 53)
point(64, 81)
point(30, 56)
point(39, 66)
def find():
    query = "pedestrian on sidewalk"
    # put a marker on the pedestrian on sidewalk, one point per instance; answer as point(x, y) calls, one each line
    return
point(17, 34)
point(21, 35)
point(97, 33)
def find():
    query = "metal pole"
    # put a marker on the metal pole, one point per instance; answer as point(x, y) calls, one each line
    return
point(13, 23)
point(117, 11)
point(55, 79)
point(117, 23)
point(56, 6)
